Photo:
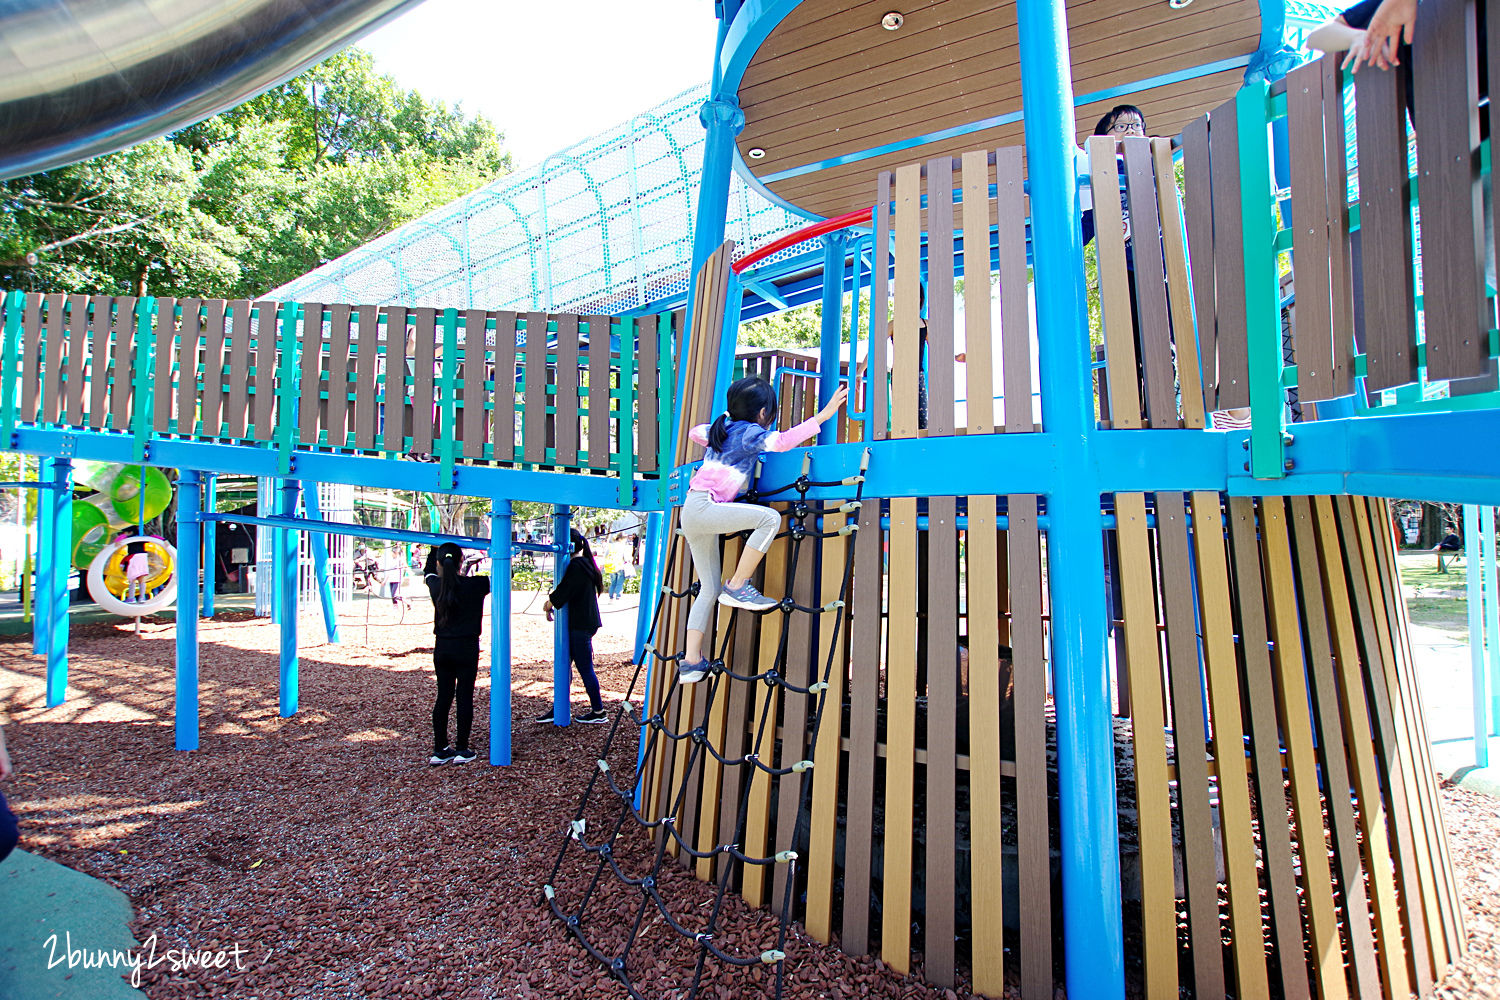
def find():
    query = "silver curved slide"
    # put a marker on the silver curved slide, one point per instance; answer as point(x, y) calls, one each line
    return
point(83, 77)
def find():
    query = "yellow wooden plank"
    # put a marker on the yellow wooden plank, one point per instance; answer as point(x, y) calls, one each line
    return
point(828, 749)
point(1114, 286)
point(1179, 288)
point(905, 334)
point(987, 848)
point(713, 771)
point(979, 362)
point(1148, 719)
point(901, 721)
point(1296, 727)
point(758, 811)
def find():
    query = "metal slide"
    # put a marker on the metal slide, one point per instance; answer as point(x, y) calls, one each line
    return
point(79, 78)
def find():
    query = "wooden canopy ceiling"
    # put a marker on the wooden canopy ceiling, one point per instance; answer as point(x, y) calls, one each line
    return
point(831, 81)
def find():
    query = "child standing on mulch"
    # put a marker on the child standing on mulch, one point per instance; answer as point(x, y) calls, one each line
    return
point(578, 591)
point(9, 833)
point(458, 615)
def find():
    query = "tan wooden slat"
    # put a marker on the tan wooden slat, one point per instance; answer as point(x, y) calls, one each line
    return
point(670, 700)
point(213, 368)
point(738, 721)
point(122, 362)
point(1197, 200)
point(600, 403)
point(366, 338)
point(1029, 663)
point(99, 355)
point(827, 750)
point(393, 407)
point(648, 395)
point(475, 374)
point(942, 714)
point(864, 691)
point(238, 405)
point(702, 349)
point(424, 363)
point(337, 411)
point(880, 292)
point(189, 340)
point(504, 447)
point(1114, 287)
point(1329, 733)
point(1148, 721)
point(664, 672)
point(566, 399)
point(907, 363)
point(901, 679)
point(717, 718)
point(939, 359)
point(1222, 670)
point(310, 375)
point(264, 361)
point(1340, 256)
point(1229, 252)
point(1015, 309)
point(1153, 320)
point(1326, 951)
point(167, 340)
point(33, 371)
point(75, 325)
point(1179, 288)
point(979, 364)
point(794, 712)
point(1310, 241)
point(55, 348)
point(987, 847)
point(758, 810)
point(1276, 846)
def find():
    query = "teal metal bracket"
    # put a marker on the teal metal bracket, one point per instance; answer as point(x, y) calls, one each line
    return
point(145, 361)
point(1262, 283)
point(448, 443)
point(10, 376)
point(287, 382)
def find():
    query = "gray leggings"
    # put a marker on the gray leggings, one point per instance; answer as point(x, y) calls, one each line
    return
point(703, 521)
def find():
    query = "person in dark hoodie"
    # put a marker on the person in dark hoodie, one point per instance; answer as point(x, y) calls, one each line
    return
point(458, 614)
point(578, 591)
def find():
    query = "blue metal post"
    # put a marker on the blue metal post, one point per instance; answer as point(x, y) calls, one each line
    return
point(1473, 569)
point(189, 506)
point(286, 587)
point(722, 118)
point(1491, 613)
point(500, 556)
point(42, 586)
point(562, 674)
point(60, 554)
point(834, 247)
point(319, 545)
point(1093, 937)
point(210, 551)
point(651, 575)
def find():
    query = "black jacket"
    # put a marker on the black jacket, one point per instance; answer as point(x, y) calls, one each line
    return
point(576, 593)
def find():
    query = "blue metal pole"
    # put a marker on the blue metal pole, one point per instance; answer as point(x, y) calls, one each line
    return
point(1093, 936)
point(500, 556)
point(189, 506)
point(42, 586)
point(1491, 613)
point(286, 586)
point(60, 555)
point(210, 551)
point(1473, 571)
point(319, 545)
point(834, 247)
point(651, 571)
point(562, 674)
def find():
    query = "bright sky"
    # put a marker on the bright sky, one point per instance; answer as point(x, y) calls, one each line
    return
point(549, 74)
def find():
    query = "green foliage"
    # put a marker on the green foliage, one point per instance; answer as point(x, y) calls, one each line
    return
point(801, 328)
point(252, 198)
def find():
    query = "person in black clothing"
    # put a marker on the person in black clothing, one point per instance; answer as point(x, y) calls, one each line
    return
point(458, 613)
point(579, 591)
point(9, 832)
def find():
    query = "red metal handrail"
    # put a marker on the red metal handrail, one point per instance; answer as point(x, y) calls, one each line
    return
point(802, 235)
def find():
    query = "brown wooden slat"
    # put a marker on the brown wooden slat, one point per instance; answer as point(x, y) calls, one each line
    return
point(476, 373)
point(905, 333)
point(1447, 104)
point(1015, 310)
point(738, 724)
point(767, 700)
point(901, 680)
point(99, 355)
point(213, 368)
point(392, 409)
point(238, 405)
point(339, 413)
point(1340, 256)
point(942, 717)
point(76, 324)
point(366, 355)
point(664, 673)
point(600, 403)
point(189, 339)
point(1384, 216)
point(264, 360)
point(864, 692)
point(1229, 252)
point(1179, 287)
point(1197, 202)
point(794, 713)
point(166, 355)
point(1148, 722)
point(503, 444)
point(565, 401)
point(986, 844)
point(1310, 242)
point(979, 348)
point(54, 349)
point(827, 749)
point(122, 362)
point(1152, 317)
point(648, 395)
point(424, 364)
point(940, 307)
point(1114, 287)
point(1260, 695)
point(716, 719)
point(1034, 852)
point(880, 296)
point(310, 351)
point(33, 371)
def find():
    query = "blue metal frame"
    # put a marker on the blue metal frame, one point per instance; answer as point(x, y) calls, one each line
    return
point(284, 541)
point(1474, 546)
point(562, 672)
point(58, 549)
point(319, 547)
point(501, 519)
point(210, 549)
point(189, 509)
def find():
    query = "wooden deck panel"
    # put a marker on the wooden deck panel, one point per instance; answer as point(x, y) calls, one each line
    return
point(1310, 242)
point(1114, 287)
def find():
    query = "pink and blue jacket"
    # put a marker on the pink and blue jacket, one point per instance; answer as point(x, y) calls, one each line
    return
point(725, 474)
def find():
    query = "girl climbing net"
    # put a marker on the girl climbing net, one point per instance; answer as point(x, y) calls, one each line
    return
point(734, 441)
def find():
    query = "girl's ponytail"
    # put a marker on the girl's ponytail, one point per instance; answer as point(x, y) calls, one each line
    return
point(747, 400)
point(718, 434)
point(449, 561)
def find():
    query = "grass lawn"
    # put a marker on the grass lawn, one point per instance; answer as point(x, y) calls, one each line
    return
point(1419, 573)
point(1436, 600)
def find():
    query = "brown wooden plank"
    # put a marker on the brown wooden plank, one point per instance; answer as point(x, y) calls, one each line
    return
point(1197, 203)
point(393, 383)
point(1310, 242)
point(55, 349)
point(534, 370)
point(1153, 320)
point(1015, 309)
point(648, 395)
point(503, 444)
point(1191, 737)
point(475, 374)
point(423, 366)
point(767, 702)
point(238, 404)
point(33, 371)
point(122, 362)
point(310, 374)
point(1114, 287)
point(1179, 287)
point(366, 339)
point(1335, 770)
point(664, 672)
point(942, 716)
point(717, 722)
point(1447, 104)
point(99, 356)
point(338, 413)
point(827, 749)
point(1229, 252)
point(939, 358)
point(987, 848)
point(1029, 661)
point(979, 348)
point(798, 670)
point(566, 399)
point(901, 669)
point(168, 339)
point(189, 340)
point(1340, 256)
point(76, 325)
point(1384, 221)
point(213, 367)
point(264, 360)
point(1148, 722)
point(905, 333)
point(1260, 695)
point(864, 692)
point(880, 296)
point(601, 405)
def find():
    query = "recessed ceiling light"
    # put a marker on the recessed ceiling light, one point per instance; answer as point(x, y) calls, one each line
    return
point(892, 21)
point(756, 153)
point(1178, 4)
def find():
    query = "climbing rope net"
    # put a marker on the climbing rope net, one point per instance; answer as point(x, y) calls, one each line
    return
point(623, 798)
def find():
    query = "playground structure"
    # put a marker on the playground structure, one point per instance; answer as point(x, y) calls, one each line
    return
point(935, 729)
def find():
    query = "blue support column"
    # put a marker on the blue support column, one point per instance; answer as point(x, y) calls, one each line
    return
point(834, 247)
point(500, 556)
point(562, 673)
point(652, 573)
point(1473, 570)
point(42, 586)
point(210, 550)
point(319, 545)
point(189, 506)
point(722, 118)
point(1491, 613)
point(1093, 937)
point(60, 554)
point(286, 588)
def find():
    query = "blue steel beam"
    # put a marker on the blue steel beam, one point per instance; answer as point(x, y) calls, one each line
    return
point(562, 674)
point(406, 536)
point(185, 710)
point(42, 585)
point(501, 516)
point(210, 550)
point(285, 542)
point(319, 546)
point(58, 550)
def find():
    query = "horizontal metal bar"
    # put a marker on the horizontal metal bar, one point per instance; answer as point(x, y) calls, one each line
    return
point(405, 535)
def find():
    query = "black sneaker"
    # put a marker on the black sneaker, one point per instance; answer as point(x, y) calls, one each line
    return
point(544, 718)
point(443, 756)
point(463, 756)
point(691, 673)
point(593, 718)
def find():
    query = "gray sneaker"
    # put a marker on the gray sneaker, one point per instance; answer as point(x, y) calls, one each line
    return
point(691, 673)
point(747, 597)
